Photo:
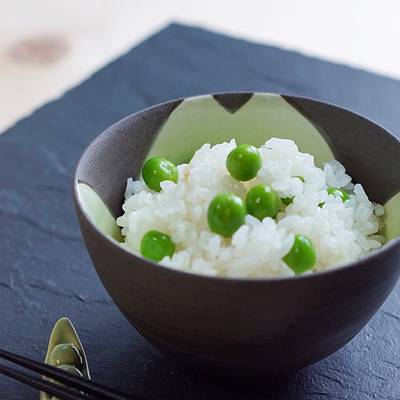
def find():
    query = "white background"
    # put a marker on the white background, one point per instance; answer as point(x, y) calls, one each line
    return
point(361, 33)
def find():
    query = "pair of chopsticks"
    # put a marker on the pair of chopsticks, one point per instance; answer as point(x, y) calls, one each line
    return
point(73, 387)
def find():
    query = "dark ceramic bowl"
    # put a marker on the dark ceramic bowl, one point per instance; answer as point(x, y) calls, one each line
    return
point(240, 326)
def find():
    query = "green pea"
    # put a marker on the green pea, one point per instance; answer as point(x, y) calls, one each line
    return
point(262, 202)
point(70, 369)
point(287, 200)
point(65, 353)
point(156, 245)
point(302, 255)
point(226, 214)
point(338, 193)
point(156, 170)
point(244, 162)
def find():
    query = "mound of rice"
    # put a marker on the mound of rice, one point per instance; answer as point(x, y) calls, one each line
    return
point(341, 232)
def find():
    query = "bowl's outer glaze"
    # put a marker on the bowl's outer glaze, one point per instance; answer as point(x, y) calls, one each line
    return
point(237, 326)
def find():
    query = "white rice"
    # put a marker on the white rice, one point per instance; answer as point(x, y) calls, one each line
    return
point(341, 232)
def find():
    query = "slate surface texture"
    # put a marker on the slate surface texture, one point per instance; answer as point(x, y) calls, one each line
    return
point(45, 272)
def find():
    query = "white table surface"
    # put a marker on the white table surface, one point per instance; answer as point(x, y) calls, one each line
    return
point(48, 46)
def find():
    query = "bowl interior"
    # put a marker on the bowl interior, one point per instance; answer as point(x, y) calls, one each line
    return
point(176, 129)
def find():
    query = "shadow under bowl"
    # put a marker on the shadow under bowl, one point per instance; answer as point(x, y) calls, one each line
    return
point(240, 327)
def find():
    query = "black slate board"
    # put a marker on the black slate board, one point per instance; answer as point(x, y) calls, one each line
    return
point(45, 272)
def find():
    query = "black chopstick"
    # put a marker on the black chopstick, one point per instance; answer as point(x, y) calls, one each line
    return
point(74, 382)
point(49, 387)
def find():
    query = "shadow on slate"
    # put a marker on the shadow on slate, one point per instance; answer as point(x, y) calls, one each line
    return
point(45, 272)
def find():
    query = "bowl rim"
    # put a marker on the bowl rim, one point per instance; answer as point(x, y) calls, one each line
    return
point(375, 254)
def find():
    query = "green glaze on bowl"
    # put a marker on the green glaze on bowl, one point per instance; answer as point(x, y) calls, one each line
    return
point(392, 218)
point(98, 212)
point(203, 119)
point(64, 332)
